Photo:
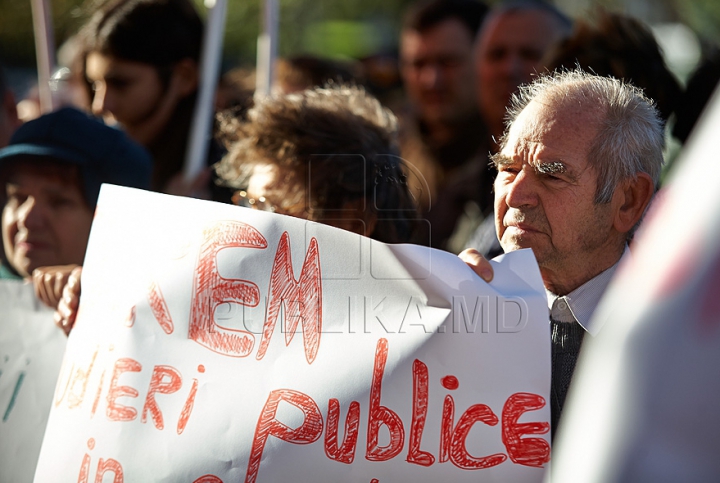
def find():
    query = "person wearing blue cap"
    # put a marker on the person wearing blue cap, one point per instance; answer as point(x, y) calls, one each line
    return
point(51, 174)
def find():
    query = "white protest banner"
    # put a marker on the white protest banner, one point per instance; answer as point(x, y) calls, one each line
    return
point(31, 351)
point(644, 401)
point(216, 343)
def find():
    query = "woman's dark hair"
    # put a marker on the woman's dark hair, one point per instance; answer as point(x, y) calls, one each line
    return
point(155, 32)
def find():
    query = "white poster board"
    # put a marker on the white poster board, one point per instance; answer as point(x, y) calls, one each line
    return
point(31, 351)
point(217, 343)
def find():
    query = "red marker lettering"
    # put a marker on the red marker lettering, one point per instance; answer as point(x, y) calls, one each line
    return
point(85, 467)
point(458, 453)
point(103, 467)
point(130, 321)
point(165, 380)
point(302, 299)
point(308, 432)
point(187, 409)
point(346, 452)
point(109, 465)
point(208, 479)
point(446, 428)
point(211, 290)
point(450, 383)
point(118, 412)
point(80, 378)
point(381, 415)
point(419, 414)
point(524, 451)
point(159, 308)
point(61, 389)
point(97, 395)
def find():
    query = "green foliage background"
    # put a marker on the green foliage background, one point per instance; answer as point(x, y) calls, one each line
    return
point(350, 27)
point(298, 20)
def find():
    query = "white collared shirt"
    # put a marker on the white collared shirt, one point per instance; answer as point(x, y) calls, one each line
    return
point(580, 304)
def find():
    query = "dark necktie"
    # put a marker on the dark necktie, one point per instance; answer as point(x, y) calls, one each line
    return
point(566, 341)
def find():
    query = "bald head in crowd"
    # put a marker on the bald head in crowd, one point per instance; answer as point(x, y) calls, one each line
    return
point(510, 46)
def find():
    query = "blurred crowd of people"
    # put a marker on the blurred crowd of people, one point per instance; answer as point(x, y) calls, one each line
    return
point(324, 146)
point(135, 64)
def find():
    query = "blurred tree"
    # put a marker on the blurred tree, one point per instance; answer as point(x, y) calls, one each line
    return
point(297, 17)
point(703, 16)
point(17, 44)
point(347, 27)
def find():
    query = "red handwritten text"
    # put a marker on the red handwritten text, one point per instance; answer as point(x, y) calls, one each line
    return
point(453, 436)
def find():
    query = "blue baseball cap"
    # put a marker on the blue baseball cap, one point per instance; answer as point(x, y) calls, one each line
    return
point(104, 154)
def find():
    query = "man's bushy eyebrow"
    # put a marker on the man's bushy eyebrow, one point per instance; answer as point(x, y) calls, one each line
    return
point(499, 159)
point(553, 167)
point(547, 168)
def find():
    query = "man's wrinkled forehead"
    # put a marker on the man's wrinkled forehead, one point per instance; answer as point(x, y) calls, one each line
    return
point(549, 113)
point(524, 129)
point(548, 129)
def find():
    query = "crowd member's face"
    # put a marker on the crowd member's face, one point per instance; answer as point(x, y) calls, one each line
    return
point(510, 47)
point(268, 190)
point(264, 193)
point(131, 94)
point(545, 195)
point(438, 71)
point(45, 220)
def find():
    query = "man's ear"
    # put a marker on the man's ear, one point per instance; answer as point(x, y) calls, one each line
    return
point(185, 77)
point(632, 197)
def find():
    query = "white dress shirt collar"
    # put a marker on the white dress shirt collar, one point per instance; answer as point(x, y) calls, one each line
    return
point(580, 304)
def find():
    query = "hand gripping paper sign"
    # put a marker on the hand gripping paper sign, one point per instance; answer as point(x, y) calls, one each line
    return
point(31, 351)
point(218, 344)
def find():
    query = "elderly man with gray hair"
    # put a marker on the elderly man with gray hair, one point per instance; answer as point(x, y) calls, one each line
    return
point(577, 167)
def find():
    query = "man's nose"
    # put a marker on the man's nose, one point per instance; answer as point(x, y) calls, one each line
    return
point(431, 76)
point(100, 99)
point(31, 214)
point(515, 69)
point(103, 105)
point(522, 191)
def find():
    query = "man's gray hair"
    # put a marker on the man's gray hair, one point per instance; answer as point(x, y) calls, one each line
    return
point(630, 139)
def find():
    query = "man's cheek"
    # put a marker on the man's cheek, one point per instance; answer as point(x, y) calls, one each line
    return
point(9, 228)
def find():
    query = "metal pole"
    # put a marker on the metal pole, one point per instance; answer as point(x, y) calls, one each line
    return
point(267, 49)
point(200, 131)
point(44, 51)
